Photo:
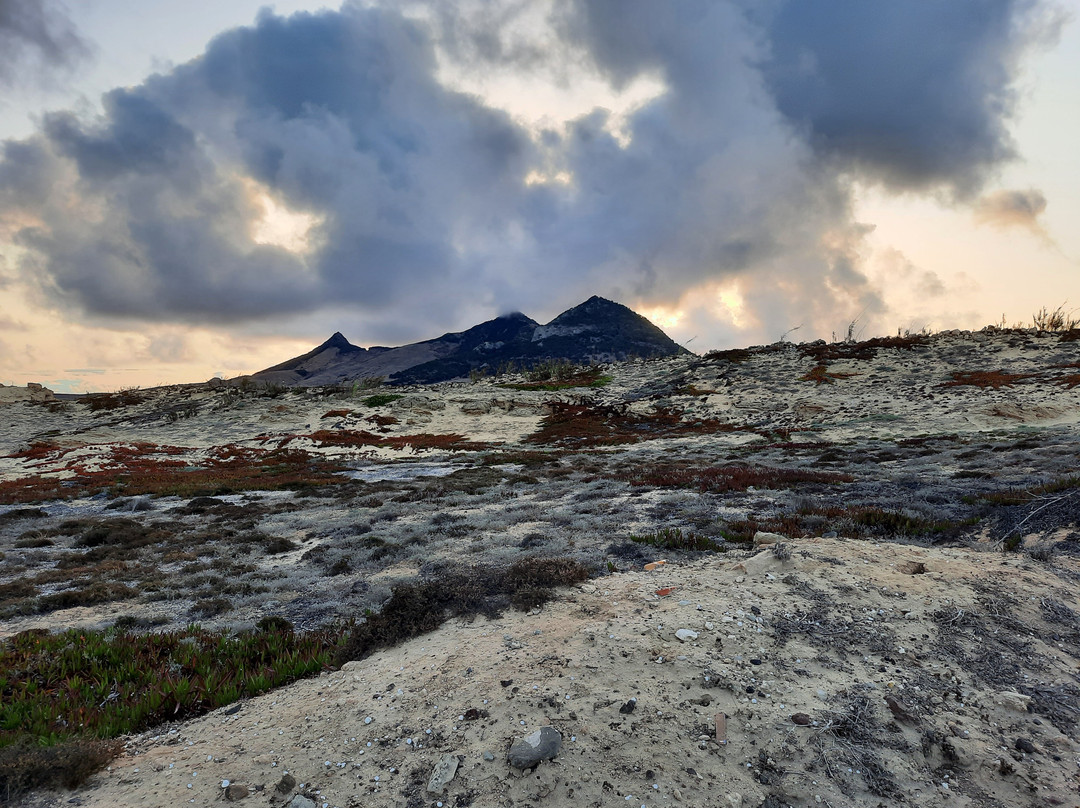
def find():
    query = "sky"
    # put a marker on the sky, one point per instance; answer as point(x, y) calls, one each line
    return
point(197, 188)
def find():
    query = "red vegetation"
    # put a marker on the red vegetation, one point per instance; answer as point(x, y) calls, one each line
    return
point(348, 437)
point(820, 375)
point(142, 468)
point(823, 352)
point(588, 423)
point(719, 479)
point(992, 378)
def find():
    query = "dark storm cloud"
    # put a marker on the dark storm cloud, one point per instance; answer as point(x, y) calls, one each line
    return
point(915, 95)
point(425, 218)
point(36, 36)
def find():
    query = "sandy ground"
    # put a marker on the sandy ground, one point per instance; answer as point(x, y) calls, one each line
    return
point(370, 734)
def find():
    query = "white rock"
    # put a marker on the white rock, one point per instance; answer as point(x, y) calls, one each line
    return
point(685, 635)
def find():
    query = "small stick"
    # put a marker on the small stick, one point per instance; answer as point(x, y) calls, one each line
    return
point(721, 728)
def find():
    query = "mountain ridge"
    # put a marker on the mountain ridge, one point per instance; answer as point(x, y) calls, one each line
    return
point(597, 330)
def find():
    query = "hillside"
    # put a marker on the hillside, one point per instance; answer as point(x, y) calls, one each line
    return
point(870, 566)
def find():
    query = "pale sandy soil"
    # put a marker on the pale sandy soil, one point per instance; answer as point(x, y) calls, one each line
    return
point(869, 631)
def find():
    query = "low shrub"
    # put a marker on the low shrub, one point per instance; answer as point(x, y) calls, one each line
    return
point(26, 766)
point(380, 399)
point(674, 539)
point(417, 608)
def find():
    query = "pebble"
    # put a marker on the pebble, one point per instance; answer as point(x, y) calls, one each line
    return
point(685, 634)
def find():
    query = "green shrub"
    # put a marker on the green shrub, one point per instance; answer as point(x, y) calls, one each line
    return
point(674, 539)
point(379, 399)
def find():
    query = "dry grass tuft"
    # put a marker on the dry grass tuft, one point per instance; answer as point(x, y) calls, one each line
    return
point(820, 374)
point(27, 766)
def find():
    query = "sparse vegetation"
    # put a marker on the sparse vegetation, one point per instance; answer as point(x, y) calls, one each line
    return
point(62, 694)
point(668, 538)
point(1057, 321)
point(720, 479)
point(380, 399)
point(995, 379)
point(820, 374)
point(417, 608)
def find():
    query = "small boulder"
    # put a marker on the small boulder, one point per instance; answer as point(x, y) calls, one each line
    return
point(300, 801)
point(236, 792)
point(527, 752)
point(1013, 700)
point(763, 539)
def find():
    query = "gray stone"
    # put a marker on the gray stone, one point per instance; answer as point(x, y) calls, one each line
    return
point(286, 784)
point(442, 774)
point(300, 801)
point(236, 792)
point(544, 744)
point(685, 634)
point(488, 756)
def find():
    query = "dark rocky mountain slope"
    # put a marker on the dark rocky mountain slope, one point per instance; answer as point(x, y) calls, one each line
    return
point(598, 330)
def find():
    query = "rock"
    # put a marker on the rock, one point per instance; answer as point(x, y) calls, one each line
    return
point(476, 407)
point(527, 752)
point(33, 393)
point(763, 539)
point(733, 800)
point(685, 635)
point(629, 707)
point(802, 719)
point(1025, 745)
point(912, 568)
point(488, 756)
point(286, 784)
point(442, 774)
point(300, 801)
point(236, 792)
point(215, 383)
point(1013, 700)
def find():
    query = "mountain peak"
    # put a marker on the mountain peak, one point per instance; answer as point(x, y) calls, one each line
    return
point(337, 341)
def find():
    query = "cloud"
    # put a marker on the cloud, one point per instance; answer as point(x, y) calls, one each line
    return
point(35, 37)
point(1003, 209)
point(428, 209)
point(913, 95)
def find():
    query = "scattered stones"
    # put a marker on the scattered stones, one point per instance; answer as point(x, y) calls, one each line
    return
point(686, 635)
point(527, 752)
point(443, 773)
